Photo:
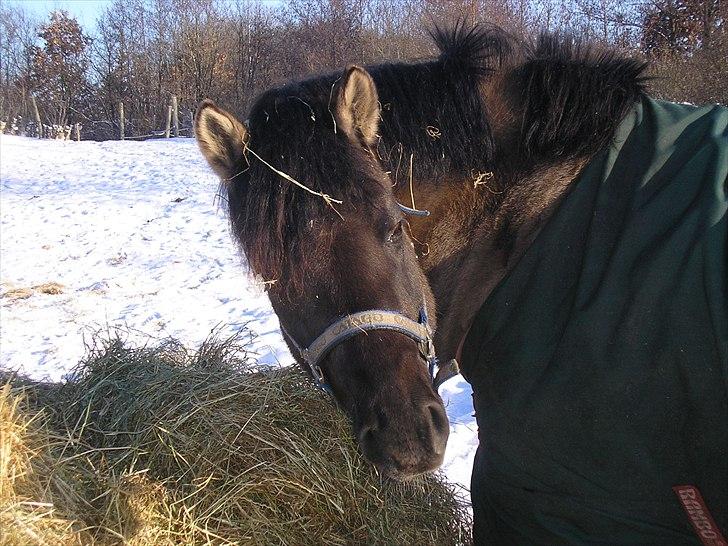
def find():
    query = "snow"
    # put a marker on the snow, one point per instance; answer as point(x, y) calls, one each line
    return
point(134, 235)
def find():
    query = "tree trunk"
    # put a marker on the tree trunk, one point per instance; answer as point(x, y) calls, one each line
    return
point(169, 121)
point(39, 125)
point(175, 115)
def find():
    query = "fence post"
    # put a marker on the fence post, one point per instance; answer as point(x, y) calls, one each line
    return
point(121, 120)
point(175, 114)
point(39, 125)
point(77, 127)
point(169, 120)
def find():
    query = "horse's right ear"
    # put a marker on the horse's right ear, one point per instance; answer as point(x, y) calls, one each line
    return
point(221, 138)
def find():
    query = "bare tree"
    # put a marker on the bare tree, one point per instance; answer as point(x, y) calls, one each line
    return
point(687, 41)
point(17, 34)
point(146, 51)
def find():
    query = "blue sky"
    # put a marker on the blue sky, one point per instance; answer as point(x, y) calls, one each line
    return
point(86, 11)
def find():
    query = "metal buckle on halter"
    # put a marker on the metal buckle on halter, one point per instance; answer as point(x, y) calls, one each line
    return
point(427, 348)
point(318, 374)
point(427, 351)
point(316, 371)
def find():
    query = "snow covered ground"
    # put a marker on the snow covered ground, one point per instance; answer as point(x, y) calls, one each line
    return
point(132, 233)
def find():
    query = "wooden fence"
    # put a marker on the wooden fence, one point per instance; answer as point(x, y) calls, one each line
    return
point(17, 125)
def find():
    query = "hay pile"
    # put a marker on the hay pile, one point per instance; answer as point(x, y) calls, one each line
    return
point(161, 446)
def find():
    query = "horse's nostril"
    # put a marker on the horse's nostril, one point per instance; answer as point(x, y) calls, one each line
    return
point(435, 415)
point(369, 438)
point(440, 426)
point(438, 416)
point(382, 420)
point(366, 436)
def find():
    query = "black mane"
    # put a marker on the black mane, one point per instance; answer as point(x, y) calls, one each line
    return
point(574, 95)
point(435, 110)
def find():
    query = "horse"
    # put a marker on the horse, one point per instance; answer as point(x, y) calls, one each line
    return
point(527, 208)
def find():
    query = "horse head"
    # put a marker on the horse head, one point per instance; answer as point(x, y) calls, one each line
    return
point(316, 216)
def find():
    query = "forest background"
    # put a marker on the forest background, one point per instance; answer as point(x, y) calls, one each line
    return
point(141, 53)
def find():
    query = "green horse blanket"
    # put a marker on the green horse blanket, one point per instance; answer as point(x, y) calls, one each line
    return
point(599, 365)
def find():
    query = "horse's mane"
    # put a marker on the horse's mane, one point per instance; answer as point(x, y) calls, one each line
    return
point(571, 98)
point(434, 110)
point(574, 95)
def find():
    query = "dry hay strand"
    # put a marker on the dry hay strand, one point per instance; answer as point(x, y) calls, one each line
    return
point(52, 288)
point(17, 293)
point(164, 446)
point(23, 293)
point(28, 474)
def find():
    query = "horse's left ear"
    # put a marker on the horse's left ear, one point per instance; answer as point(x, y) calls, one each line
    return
point(357, 106)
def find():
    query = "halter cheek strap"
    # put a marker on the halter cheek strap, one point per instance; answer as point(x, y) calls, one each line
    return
point(364, 321)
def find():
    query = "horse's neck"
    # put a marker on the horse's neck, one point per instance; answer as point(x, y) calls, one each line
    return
point(475, 236)
point(480, 227)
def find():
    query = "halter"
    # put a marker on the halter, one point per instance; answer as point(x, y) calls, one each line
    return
point(358, 323)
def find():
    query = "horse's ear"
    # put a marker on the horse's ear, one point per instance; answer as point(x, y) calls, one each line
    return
point(221, 138)
point(357, 106)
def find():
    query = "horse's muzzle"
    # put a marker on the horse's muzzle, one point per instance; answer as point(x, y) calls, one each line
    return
point(406, 440)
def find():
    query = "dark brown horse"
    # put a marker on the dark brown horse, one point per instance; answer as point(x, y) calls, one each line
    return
point(489, 138)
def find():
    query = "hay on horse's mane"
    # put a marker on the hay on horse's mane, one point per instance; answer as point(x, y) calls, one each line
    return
point(162, 446)
point(432, 111)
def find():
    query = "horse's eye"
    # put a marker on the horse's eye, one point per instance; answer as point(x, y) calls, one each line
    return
point(396, 234)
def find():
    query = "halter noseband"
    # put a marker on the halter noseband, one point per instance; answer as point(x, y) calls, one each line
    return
point(358, 323)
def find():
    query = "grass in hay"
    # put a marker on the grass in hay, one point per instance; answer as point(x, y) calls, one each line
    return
point(159, 445)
